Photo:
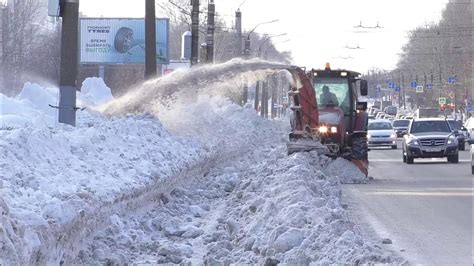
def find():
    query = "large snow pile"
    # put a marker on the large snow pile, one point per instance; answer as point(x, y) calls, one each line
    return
point(260, 209)
point(55, 180)
point(30, 107)
point(94, 93)
point(207, 182)
point(59, 183)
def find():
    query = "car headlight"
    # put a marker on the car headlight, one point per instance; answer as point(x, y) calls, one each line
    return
point(368, 136)
point(452, 141)
point(333, 129)
point(393, 135)
point(414, 142)
point(323, 129)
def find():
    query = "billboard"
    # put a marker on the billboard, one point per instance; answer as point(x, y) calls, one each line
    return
point(120, 41)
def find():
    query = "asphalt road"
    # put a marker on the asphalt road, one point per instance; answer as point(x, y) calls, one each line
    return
point(426, 209)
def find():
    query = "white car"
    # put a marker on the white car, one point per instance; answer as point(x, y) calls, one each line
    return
point(469, 125)
point(380, 133)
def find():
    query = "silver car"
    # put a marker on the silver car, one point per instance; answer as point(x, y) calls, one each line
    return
point(380, 133)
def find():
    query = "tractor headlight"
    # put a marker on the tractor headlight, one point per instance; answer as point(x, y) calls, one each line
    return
point(333, 129)
point(323, 129)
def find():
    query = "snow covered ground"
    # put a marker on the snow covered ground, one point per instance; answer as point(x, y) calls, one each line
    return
point(206, 182)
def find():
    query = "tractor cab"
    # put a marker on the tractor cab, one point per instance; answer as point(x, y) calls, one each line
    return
point(337, 97)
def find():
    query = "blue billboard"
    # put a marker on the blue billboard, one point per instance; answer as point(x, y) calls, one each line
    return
point(120, 41)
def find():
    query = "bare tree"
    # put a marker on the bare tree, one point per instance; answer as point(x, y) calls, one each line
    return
point(30, 47)
point(437, 51)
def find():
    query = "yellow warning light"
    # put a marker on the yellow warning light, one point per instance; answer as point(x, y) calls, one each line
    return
point(328, 66)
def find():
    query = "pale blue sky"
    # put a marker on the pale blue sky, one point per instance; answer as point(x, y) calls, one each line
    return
point(318, 29)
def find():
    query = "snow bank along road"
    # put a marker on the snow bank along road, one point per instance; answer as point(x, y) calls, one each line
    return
point(207, 182)
point(425, 208)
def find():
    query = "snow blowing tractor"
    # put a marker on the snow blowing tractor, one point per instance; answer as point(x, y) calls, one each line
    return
point(328, 115)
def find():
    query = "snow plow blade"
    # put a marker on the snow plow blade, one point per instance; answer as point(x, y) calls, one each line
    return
point(363, 165)
point(306, 145)
point(330, 150)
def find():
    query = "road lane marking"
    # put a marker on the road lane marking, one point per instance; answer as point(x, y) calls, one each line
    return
point(421, 160)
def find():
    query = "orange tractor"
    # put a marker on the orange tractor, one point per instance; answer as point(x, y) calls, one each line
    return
point(328, 115)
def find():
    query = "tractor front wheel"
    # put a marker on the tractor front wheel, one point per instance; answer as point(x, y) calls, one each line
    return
point(359, 148)
point(359, 154)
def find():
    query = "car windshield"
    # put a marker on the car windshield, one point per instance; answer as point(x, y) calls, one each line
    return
point(401, 123)
point(332, 91)
point(455, 125)
point(379, 126)
point(429, 126)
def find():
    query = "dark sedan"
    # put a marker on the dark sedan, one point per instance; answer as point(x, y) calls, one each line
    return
point(456, 127)
point(400, 126)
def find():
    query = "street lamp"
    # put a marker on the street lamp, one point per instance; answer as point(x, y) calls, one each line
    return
point(261, 23)
point(268, 37)
point(247, 40)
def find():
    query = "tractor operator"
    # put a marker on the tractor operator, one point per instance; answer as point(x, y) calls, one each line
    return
point(328, 98)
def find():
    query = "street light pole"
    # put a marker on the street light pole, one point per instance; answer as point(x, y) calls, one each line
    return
point(210, 32)
point(194, 32)
point(69, 60)
point(150, 39)
point(247, 56)
point(265, 84)
point(238, 29)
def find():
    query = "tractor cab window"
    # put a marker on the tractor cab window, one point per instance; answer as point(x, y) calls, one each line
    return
point(332, 92)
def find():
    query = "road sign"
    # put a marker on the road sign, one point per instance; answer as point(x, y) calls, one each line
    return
point(413, 84)
point(442, 100)
point(429, 86)
point(391, 85)
point(452, 79)
point(397, 89)
point(120, 40)
point(451, 95)
point(419, 89)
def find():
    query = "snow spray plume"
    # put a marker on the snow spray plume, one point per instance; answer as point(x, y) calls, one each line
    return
point(216, 79)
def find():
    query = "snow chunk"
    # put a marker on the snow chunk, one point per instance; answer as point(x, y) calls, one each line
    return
point(288, 240)
point(94, 92)
point(346, 171)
